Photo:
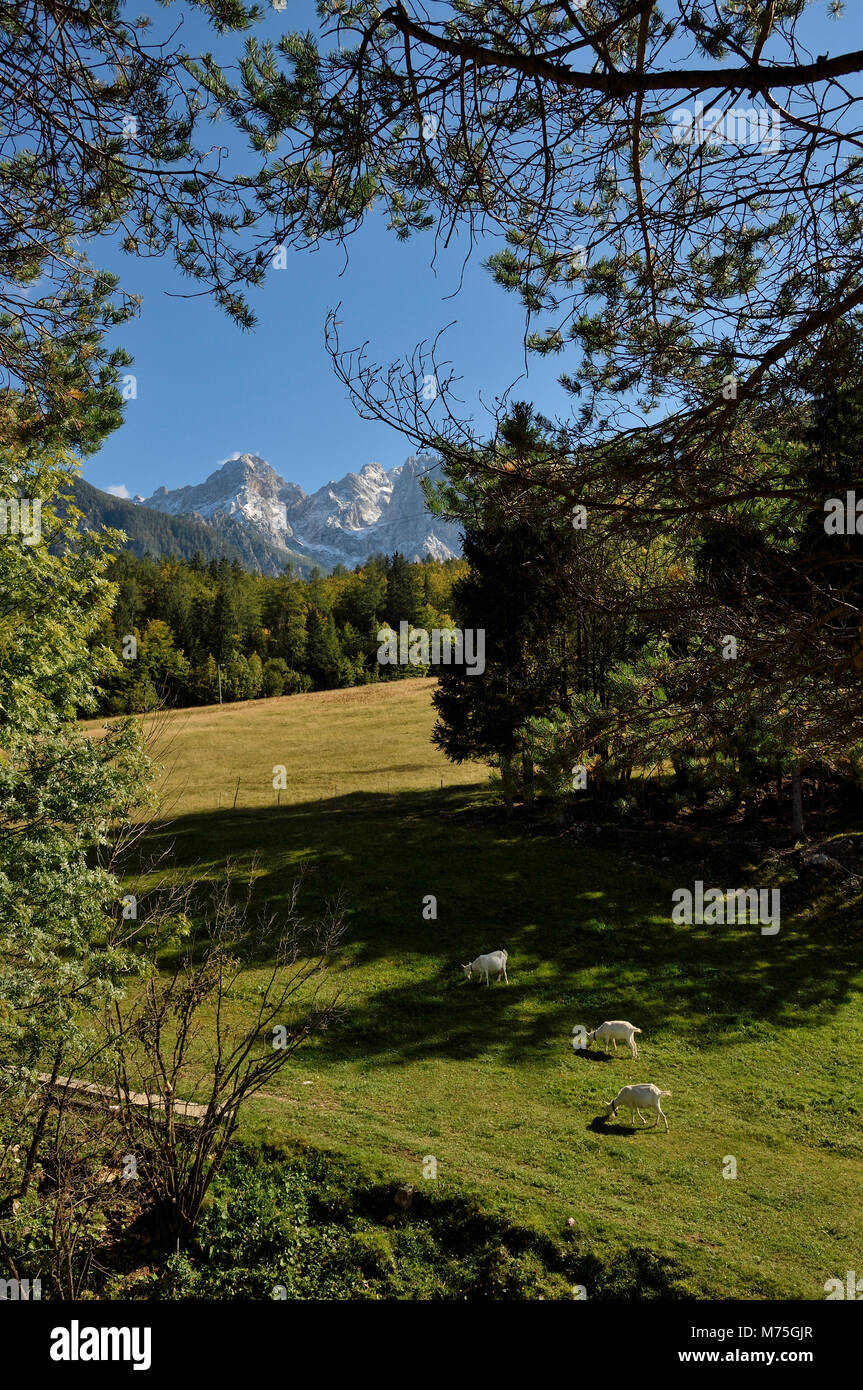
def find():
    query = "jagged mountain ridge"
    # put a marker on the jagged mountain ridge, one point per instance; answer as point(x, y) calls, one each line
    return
point(150, 532)
point(342, 522)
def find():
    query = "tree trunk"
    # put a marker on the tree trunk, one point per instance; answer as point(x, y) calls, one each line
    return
point(506, 785)
point(39, 1129)
point(527, 778)
point(797, 801)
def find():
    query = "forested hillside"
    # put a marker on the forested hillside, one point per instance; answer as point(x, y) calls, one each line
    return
point(153, 533)
point(205, 631)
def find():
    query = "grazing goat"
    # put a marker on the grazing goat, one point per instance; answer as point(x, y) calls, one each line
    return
point(615, 1030)
point(631, 1097)
point(494, 961)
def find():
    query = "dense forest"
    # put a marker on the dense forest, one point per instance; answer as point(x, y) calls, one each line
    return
point(726, 652)
point(209, 631)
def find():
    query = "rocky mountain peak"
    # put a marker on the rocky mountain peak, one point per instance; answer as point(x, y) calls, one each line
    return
point(344, 521)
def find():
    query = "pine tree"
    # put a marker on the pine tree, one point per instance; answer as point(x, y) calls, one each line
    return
point(404, 592)
point(324, 654)
point(99, 137)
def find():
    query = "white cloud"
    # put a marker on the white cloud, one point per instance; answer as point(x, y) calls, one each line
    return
point(238, 454)
point(118, 490)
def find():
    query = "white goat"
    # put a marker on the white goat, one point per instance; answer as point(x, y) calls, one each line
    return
point(615, 1030)
point(494, 961)
point(631, 1097)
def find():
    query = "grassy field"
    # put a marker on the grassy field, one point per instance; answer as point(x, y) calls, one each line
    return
point(758, 1038)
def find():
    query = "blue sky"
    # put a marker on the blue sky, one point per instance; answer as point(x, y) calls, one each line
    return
point(206, 390)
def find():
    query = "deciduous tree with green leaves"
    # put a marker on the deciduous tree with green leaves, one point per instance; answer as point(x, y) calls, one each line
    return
point(65, 947)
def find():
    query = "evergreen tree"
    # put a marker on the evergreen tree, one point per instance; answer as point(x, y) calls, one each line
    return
point(677, 259)
point(323, 654)
point(224, 637)
point(98, 137)
point(404, 592)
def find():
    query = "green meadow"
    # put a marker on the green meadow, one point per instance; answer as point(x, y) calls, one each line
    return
point(758, 1038)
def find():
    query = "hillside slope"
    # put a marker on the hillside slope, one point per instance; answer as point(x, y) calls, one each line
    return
point(155, 533)
point(758, 1038)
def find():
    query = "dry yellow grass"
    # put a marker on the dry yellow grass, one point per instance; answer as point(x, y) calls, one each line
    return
point(331, 743)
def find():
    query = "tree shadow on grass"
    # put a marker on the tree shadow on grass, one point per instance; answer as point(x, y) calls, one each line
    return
point(589, 937)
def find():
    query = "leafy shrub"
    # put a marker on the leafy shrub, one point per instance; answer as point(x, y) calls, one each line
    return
point(309, 1226)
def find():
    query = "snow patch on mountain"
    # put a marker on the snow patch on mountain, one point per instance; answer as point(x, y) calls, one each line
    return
point(344, 521)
